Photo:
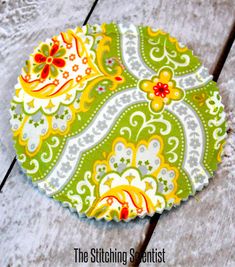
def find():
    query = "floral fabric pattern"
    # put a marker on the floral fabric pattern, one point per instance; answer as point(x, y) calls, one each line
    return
point(161, 90)
point(49, 60)
point(117, 121)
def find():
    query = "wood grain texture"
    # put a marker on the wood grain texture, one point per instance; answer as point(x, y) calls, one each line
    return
point(34, 230)
point(226, 84)
point(202, 233)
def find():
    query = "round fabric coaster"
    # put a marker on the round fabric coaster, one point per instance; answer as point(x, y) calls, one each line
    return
point(117, 121)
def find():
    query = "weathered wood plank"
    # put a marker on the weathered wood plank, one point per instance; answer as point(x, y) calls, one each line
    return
point(201, 233)
point(226, 84)
point(35, 230)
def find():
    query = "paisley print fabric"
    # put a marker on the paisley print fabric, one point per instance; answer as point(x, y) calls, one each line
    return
point(117, 121)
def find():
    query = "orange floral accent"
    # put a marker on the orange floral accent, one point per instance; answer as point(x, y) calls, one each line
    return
point(84, 60)
point(65, 75)
point(27, 77)
point(110, 201)
point(161, 90)
point(125, 205)
point(56, 82)
point(72, 57)
point(78, 78)
point(68, 46)
point(75, 67)
point(56, 42)
point(88, 71)
point(139, 210)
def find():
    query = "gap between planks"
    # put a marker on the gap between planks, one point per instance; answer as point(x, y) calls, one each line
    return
point(14, 159)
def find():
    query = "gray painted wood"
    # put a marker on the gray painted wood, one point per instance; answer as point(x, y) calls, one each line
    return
point(34, 230)
point(202, 233)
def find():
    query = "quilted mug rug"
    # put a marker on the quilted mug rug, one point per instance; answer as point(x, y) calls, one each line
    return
point(117, 121)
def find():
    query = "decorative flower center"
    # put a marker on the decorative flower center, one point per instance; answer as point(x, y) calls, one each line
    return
point(118, 78)
point(161, 89)
point(49, 60)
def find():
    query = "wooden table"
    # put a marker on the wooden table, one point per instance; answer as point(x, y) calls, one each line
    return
point(36, 231)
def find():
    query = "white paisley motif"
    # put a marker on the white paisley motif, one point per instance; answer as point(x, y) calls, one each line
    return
point(170, 56)
point(172, 140)
point(75, 199)
point(47, 157)
point(85, 184)
point(81, 189)
point(146, 124)
point(215, 106)
point(21, 158)
point(34, 163)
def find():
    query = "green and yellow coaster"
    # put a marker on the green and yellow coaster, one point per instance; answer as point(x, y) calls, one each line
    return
point(117, 121)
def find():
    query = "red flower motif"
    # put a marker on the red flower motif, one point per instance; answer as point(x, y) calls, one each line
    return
point(124, 213)
point(161, 89)
point(49, 60)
